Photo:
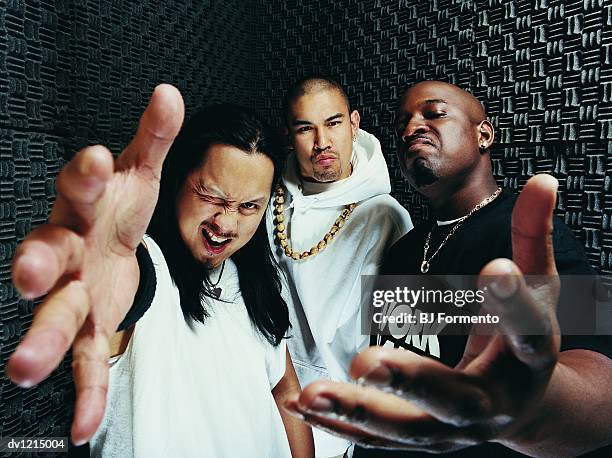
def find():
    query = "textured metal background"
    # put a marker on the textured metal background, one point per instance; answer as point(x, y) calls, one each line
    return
point(541, 67)
point(75, 73)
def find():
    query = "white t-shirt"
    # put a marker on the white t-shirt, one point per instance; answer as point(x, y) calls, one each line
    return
point(201, 392)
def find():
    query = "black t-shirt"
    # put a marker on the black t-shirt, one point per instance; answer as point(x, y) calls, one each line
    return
point(485, 236)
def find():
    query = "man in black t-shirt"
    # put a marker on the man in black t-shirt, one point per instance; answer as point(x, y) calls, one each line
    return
point(494, 395)
point(480, 239)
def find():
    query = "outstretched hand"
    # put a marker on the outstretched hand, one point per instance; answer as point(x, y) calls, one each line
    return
point(405, 401)
point(84, 259)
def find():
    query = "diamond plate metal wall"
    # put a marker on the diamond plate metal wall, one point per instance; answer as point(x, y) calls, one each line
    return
point(77, 73)
point(542, 67)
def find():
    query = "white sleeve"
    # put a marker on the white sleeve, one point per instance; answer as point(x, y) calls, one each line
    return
point(276, 358)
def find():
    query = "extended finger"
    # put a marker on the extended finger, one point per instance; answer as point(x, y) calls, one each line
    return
point(158, 127)
point(330, 425)
point(365, 413)
point(365, 440)
point(348, 431)
point(80, 185)
point(532, 226)
point(48, 253)
point(90, 369)
point(448, 395)
point(56, 323)
point(526, 313)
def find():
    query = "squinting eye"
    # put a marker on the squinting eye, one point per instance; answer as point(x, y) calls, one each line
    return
point(249, 206)
point(334, 123)
point(435, 114)
point(210, 199)
point(304, 129)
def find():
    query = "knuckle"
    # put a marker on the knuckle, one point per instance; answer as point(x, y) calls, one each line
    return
point(533, 344)
point(472, 408)
point(359, 414)
point(415, 381)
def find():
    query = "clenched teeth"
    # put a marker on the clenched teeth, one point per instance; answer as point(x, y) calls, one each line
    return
point(214, 237)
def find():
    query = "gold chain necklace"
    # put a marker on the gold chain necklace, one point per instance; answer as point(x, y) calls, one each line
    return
point(425, 263)
point(280, 230)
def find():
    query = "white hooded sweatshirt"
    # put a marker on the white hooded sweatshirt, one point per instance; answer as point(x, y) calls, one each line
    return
point(323, 291)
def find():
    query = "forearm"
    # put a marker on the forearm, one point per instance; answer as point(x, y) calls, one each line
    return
point(299, 433)
point(575, 415)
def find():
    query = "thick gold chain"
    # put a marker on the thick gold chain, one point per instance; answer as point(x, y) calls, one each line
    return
point(280, 230)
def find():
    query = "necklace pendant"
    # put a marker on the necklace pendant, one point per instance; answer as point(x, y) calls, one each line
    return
point(216, 292)
point(425, 266)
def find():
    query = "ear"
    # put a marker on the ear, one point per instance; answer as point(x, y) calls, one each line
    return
point(355, 118)
point(486, 135)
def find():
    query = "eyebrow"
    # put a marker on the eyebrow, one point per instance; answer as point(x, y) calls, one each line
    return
point(201, 187)
point(432, 101)
point(258, 200)
point(299, 122)
point(217, 193)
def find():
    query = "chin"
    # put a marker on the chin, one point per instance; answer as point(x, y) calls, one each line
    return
point(326, 176)
point(421, 175)
point(211, 263)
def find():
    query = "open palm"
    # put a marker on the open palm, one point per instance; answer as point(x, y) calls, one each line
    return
point(84, 258)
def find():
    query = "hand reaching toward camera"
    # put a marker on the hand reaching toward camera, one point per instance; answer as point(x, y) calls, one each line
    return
point(84, 259)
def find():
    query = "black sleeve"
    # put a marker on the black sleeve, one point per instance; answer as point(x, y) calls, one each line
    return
point(576, 305)
point(570, 257)
point(146, 289)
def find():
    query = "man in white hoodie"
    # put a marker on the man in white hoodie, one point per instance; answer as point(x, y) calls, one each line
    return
point(331, 221)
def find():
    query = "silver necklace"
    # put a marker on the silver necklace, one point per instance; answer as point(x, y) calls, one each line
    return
point(216, 290)
point(425, 263)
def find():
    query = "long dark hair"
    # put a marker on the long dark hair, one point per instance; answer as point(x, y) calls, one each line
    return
point(257, 270)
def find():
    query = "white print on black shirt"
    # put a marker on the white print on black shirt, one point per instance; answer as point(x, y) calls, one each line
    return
point(419, 335)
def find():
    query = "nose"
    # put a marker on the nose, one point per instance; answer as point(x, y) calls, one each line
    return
point(414, 126)
point(226, 223)
point(322, 140)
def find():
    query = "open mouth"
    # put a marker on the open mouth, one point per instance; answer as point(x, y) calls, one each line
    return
point(215, 243)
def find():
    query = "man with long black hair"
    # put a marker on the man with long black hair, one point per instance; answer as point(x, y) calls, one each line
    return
point(205, 368)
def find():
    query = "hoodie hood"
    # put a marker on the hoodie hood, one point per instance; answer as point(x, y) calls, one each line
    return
point(370, 178)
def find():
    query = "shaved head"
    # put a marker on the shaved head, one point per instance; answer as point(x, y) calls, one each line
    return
point(311, 85)
point(444, 138)
point(470, 104)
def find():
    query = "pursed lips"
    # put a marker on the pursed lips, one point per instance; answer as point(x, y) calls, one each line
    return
point(408, 148)
point(419, 140)
point(324, 159)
